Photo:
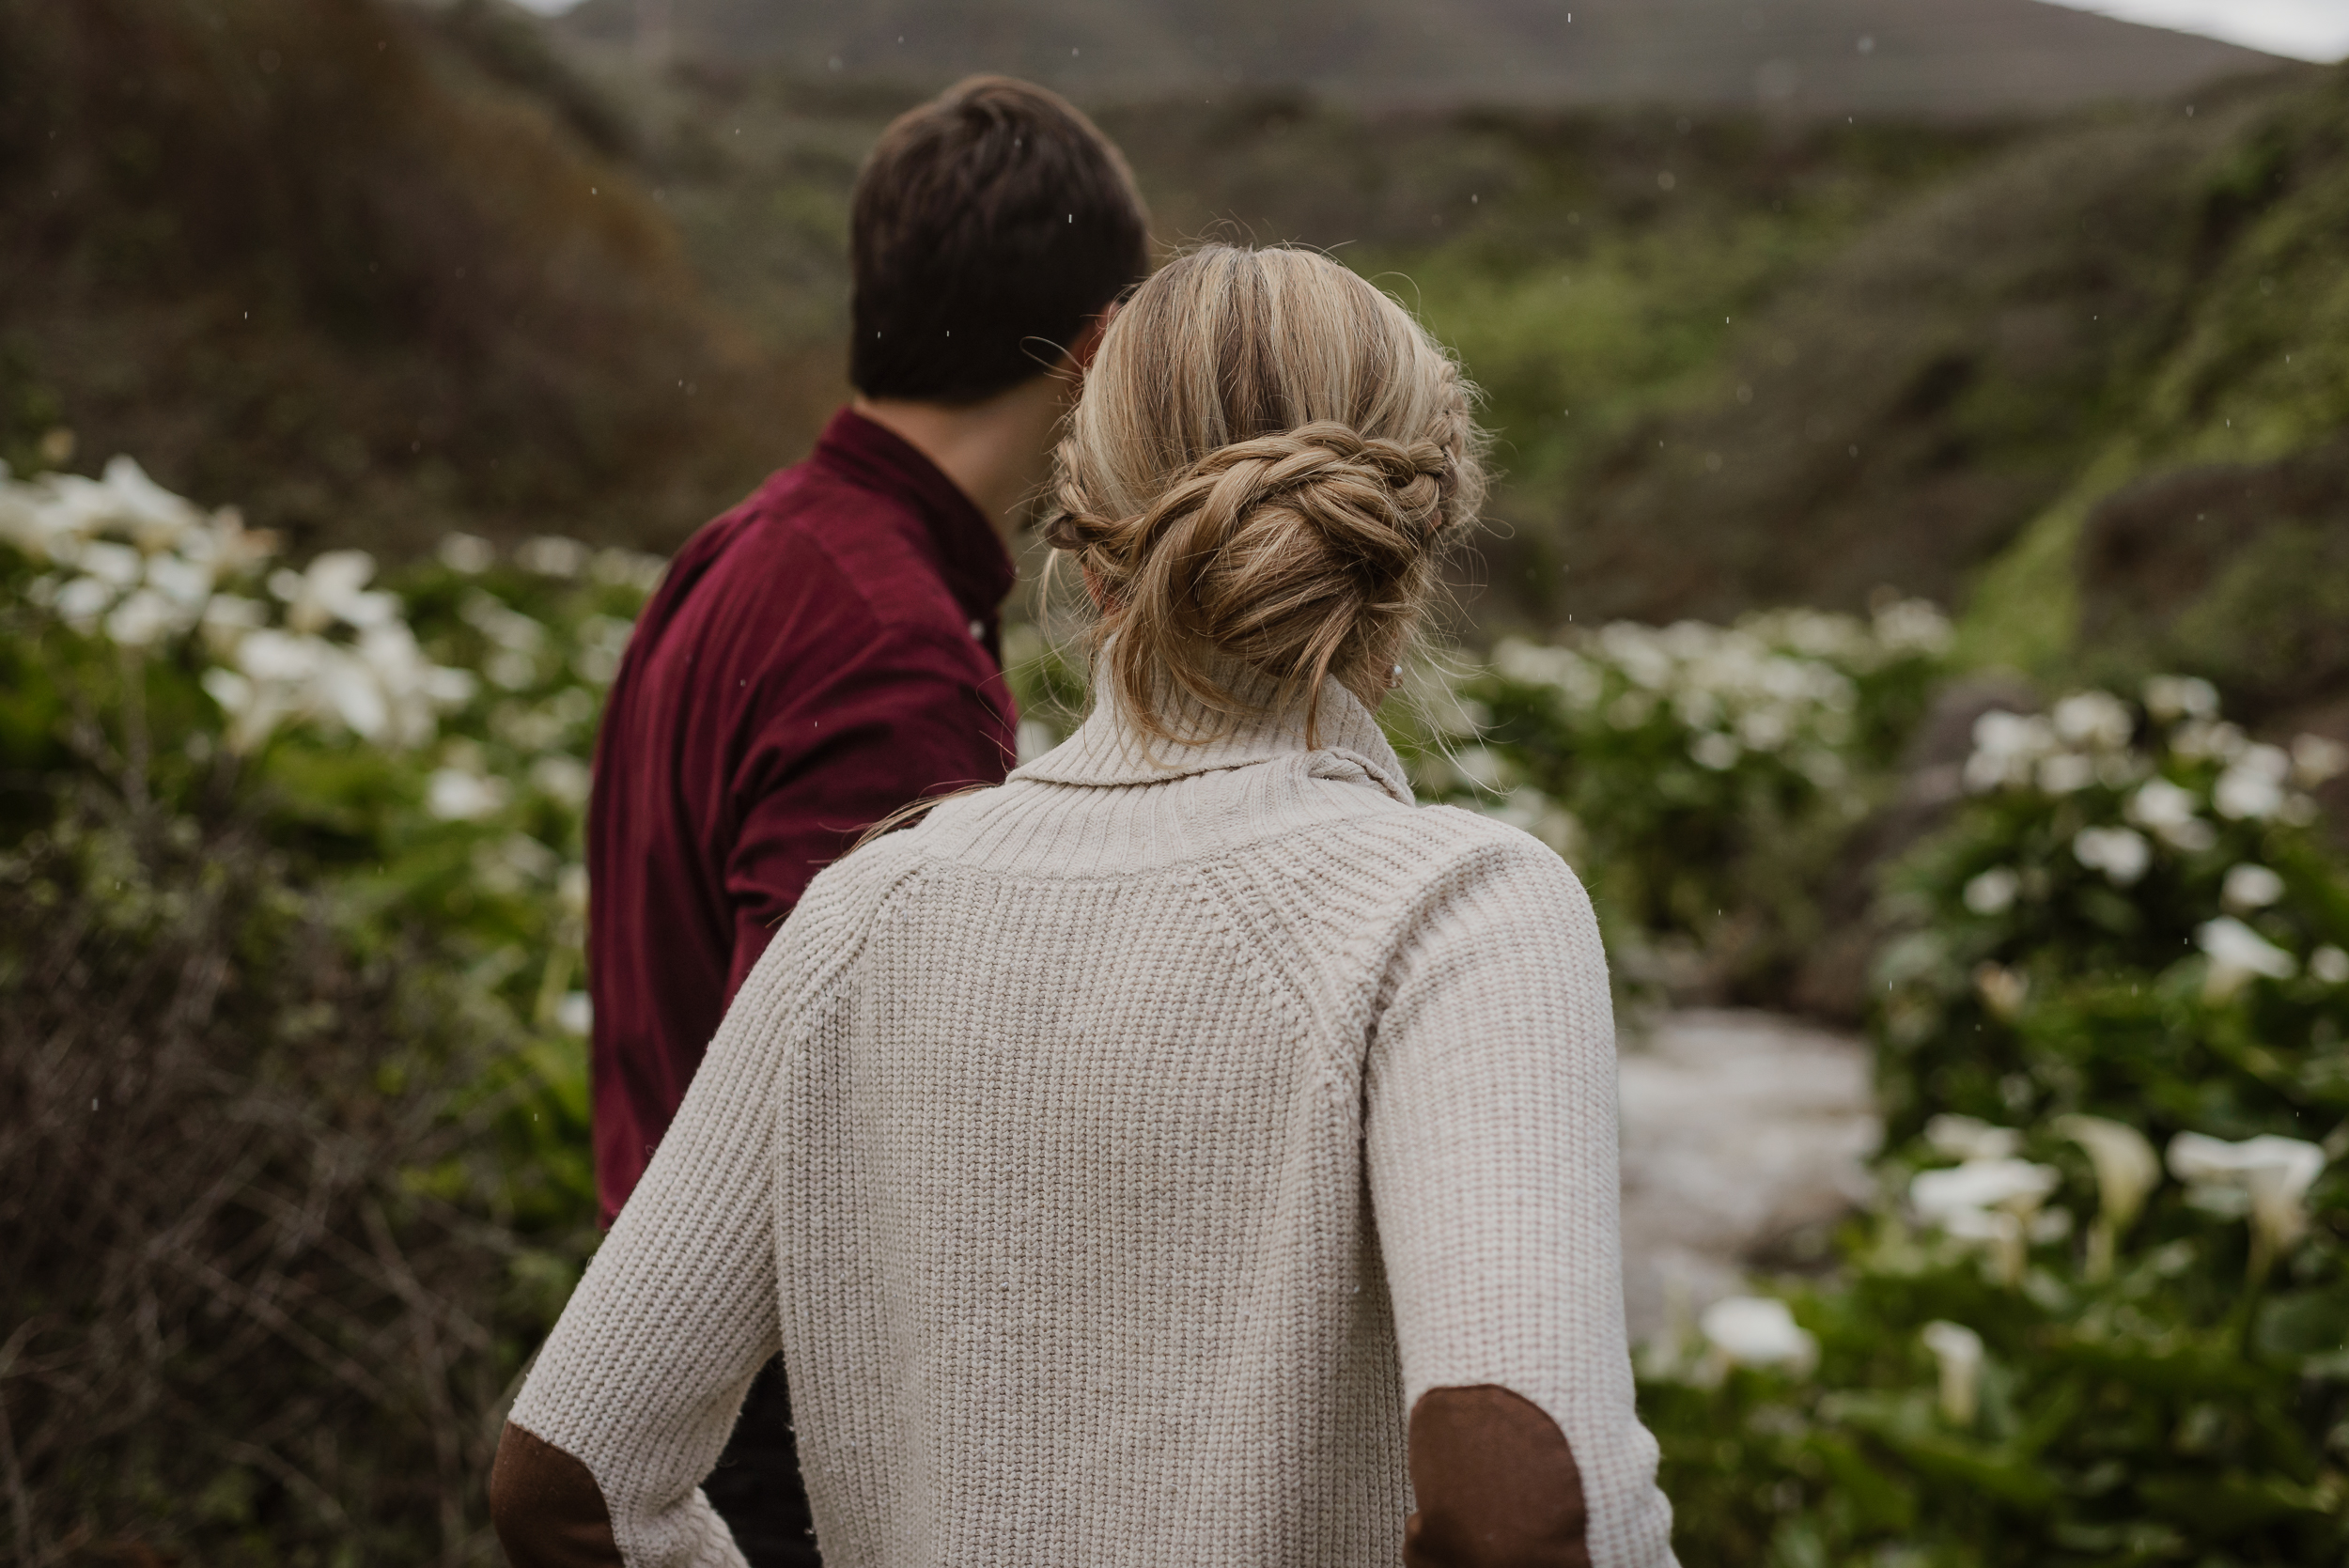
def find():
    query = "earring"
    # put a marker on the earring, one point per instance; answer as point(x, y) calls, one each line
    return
point(1394, 676)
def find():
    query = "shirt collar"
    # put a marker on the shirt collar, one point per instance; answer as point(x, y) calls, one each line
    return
point(972, 559)
point(1108, 750)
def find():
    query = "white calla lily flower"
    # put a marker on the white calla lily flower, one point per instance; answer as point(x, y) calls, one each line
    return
point(2252, 788)
point(2003, 1235)
point(455, 795)
point(2066, 773)
point(2007, 749)
point(332, 588)
point(81, 601)
point(2097, 720)
point(2002, 990)
point(1957, 1349)
point(1992, 891)
point(2127, 1171)
point(141, 618)
point(118, 566)
point(2018, 1186)
point(1969, 1138)
point(2250, 887)
point(468, 553)
point(1987, 1202)
point(2238, 955)
point(1757, 1331)
point(2316, 760)
point(2171, 812)
point(2273, 1172)
point(2122, 854)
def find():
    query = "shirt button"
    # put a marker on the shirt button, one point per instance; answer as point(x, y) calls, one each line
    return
point(978, 631)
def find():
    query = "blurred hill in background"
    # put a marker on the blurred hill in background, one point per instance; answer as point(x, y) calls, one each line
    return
point(375, 270)
point(1806, 57)
point(311, 256)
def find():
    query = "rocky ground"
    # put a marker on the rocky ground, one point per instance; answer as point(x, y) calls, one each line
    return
point(1745, 1136)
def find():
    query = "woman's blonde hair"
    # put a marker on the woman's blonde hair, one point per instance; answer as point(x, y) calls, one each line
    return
point(1267, 463)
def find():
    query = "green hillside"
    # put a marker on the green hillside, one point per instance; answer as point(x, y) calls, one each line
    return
point(313, 257)
point(1907, 407)
point(1581, 262)
point(2233, 416)
point(1800, 57)
point(2016, 391)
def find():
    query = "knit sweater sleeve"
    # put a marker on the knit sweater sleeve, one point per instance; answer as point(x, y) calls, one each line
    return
point(643, 1375)
point(1491, 1150)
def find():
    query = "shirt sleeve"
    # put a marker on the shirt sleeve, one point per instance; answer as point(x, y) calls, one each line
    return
point(646, 1371)
point(911, 714)
point(1491, 1151)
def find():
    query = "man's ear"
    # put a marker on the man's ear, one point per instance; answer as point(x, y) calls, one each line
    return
point(1088, 341)
point(1096, 589)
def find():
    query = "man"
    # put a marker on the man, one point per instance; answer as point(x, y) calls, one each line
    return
point(826, 652)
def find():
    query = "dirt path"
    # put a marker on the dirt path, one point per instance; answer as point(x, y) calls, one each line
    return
point(1741, 1132)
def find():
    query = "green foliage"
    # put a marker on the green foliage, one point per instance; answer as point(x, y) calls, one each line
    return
point(1702, 779)
point(1587, 297)
point(2132, 919)
point(306, 855)
point(1573, 352)
point(259, 1287)
point(295, 1145)
point(2168, 1413)
point(2135, 917)
point(2244, 362)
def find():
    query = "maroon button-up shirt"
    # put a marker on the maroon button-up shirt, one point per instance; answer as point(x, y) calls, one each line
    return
point(816, 658)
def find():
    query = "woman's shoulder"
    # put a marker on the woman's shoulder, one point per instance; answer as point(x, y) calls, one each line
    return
point(843, 899)
point(1395, 869)
point(1430, 841)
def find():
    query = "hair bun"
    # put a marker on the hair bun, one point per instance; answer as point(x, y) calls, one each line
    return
point(1343, 466)
point(1281, 551)
point(1307, 546)
point(1336, 474)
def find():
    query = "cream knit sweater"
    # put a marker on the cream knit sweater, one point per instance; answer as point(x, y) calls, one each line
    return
point(1114, 1159)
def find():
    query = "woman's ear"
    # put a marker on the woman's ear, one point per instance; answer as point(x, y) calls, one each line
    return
point(1096, 590)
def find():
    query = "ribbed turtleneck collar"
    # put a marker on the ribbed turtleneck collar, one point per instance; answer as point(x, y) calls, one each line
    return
point(1108, 750)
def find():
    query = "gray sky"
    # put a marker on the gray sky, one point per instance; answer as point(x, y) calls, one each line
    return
point(2310, 30)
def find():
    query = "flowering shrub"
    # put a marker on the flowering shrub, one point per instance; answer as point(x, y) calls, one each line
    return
point(2096, 1318)
point(1702, 777)
point(2038, 1350)
point(2133, 914)
point(2051, 1360)
point(427, 745)
point(347, 817)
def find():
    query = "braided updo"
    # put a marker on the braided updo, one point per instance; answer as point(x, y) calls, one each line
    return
point(1268, 460)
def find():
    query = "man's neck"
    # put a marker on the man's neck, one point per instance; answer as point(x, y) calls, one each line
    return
point(997, 451)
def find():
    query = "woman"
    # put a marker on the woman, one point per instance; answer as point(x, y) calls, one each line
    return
point(1190, 1152)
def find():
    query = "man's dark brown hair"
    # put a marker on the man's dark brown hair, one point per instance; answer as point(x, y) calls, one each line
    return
point(988, 225)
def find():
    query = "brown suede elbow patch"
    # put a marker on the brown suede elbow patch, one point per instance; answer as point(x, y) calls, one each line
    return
point(546, 1505)
point(1498, 1486)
